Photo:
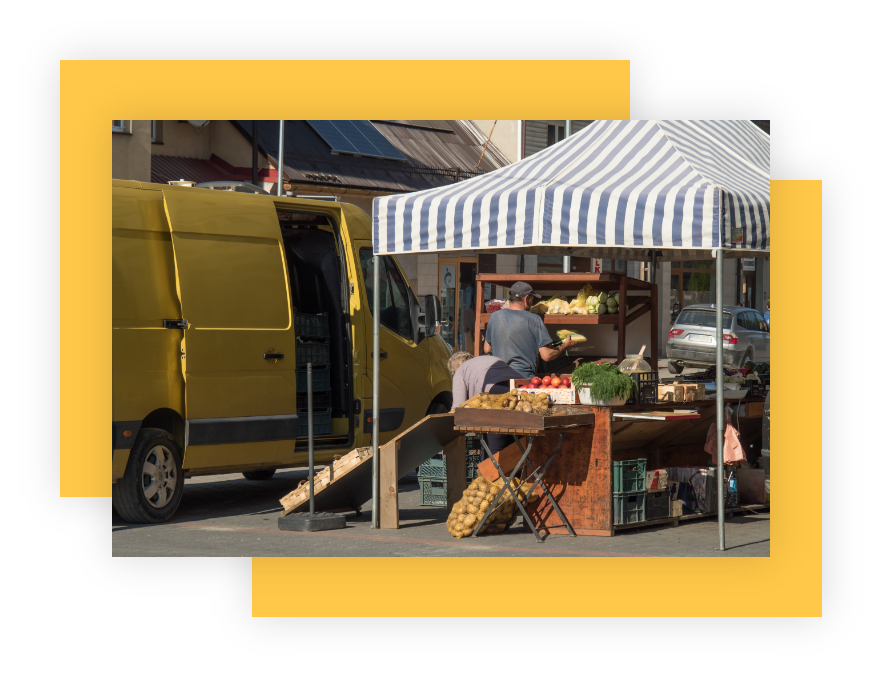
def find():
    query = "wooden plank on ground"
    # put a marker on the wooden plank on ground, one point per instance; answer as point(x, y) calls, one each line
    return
point(389, 484)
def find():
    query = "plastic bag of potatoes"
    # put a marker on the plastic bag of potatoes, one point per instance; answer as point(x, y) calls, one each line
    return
point(475, 502)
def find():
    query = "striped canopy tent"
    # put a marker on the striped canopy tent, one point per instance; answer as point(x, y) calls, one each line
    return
point(639, 190)
point(616, 189)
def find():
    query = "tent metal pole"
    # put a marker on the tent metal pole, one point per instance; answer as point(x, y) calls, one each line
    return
point(280, 187)
point(568, 129)
point(375, 435)
point(721, 423)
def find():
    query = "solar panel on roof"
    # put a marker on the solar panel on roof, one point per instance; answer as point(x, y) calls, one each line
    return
point(355, 137)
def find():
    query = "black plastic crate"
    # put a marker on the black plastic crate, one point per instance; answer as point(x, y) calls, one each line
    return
point(436, 467)
point(311, 326)
point(321, 378)
point(647, 388)
point(310, 351)
point(658, 504)
point(757, 389)
point(321, 422)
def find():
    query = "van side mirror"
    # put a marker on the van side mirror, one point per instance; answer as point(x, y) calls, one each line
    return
point(431, 316)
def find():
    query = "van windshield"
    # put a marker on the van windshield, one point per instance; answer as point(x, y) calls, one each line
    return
point(704, 318)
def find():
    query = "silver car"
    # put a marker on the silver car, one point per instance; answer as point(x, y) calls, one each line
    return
point(692, 339)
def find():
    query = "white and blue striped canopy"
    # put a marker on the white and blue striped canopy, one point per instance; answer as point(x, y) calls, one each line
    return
point(638, 185)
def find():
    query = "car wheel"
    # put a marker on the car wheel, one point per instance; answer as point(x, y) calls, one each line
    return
point(151, 488)
point(437, 408)
point(264, 474)
point(675, 368)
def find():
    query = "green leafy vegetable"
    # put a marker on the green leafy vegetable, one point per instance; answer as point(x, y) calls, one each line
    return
point(605, 380)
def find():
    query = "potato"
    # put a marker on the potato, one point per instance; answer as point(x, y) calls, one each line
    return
point(485, 505)
point(471, 509)
point(469, 520)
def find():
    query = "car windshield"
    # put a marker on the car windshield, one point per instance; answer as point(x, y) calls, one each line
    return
point(703, 318)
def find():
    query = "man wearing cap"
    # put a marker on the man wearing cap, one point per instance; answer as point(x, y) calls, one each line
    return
point(518, 337)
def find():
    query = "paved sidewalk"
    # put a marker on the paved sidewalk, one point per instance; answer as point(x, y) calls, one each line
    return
point(228, 516)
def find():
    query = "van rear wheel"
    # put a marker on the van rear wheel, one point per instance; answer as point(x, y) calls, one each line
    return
point(265, 474)
point(151, 488)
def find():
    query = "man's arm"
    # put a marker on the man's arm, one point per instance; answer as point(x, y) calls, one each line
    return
point(487, 349)
point(548, 353)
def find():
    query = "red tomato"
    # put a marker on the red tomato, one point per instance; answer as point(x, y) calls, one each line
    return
point(555, 382)
point(546, 381)
point(565, 382)
point(536, 382)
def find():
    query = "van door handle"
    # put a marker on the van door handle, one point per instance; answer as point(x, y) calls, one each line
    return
point(274, 356)
point(175, 324)
point(382, 355)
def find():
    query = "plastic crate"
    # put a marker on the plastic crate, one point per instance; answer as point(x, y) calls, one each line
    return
point(629, 476)
point(658, 504)
point(473, 458)
point(629, 507)
point(321, 422)
point(311, 326)
point(320, 402)
point(321, 378)
point(647, 388)
point(317, 353)
point(433, 492)
point(757, 389)
point(434, 467)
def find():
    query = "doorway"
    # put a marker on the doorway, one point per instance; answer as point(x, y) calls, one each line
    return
point(456, 286)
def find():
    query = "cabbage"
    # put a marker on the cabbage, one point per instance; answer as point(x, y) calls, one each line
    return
point(602, 298)
point(592, 309)
point(601, 309)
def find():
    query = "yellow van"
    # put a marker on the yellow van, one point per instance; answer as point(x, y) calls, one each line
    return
point(209, 369)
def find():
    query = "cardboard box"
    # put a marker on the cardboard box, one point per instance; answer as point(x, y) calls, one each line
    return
point(656, 480)
point(676, 508)
point(557, 395)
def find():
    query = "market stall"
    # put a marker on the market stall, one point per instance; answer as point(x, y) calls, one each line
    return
point(639, 190)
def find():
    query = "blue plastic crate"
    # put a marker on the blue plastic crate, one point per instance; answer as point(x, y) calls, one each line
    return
point(321, 422)
point(321, 378)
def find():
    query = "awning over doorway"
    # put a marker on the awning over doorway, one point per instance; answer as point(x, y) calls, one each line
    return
point(636, 186)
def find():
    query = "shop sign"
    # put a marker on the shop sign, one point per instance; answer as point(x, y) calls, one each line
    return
point(748, 264)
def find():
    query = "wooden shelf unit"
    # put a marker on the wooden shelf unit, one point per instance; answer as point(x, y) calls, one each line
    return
point(570, 284)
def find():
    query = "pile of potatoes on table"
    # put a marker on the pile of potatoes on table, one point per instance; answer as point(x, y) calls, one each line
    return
point(475, 502)
point(516, 400)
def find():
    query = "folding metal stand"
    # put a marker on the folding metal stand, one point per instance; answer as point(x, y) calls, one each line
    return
point(533, 472)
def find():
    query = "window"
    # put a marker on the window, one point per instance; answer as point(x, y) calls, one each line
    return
point(556, 133)
point(394, 302)
point(156, 131)
point(703, 318)
point(121, 126)
point(759, 321)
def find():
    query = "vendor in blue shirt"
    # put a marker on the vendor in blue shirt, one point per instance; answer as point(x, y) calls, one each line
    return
point(518, 337)
point(766, 314)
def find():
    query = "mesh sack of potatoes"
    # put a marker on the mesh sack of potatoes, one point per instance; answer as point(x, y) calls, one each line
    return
point(475, 502)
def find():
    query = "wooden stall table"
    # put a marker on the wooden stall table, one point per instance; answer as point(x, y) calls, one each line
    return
point(580, 477)
point(534, 426)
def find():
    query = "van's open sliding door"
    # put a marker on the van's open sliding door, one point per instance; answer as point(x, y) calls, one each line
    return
point(238, 349)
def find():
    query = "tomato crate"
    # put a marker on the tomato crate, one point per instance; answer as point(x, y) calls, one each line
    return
point(433, 492)
point(312, 351)
point(647, 388)
point(629, 507)
point(321, 379)
point(321, 422)
point(311, 326)
point(629, 476)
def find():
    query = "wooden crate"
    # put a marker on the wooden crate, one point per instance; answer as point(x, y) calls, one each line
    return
point(325, 477)
point(681, 392)
point(557, 395)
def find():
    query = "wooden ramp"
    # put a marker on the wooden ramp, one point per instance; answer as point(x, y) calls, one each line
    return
point(346, 484)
